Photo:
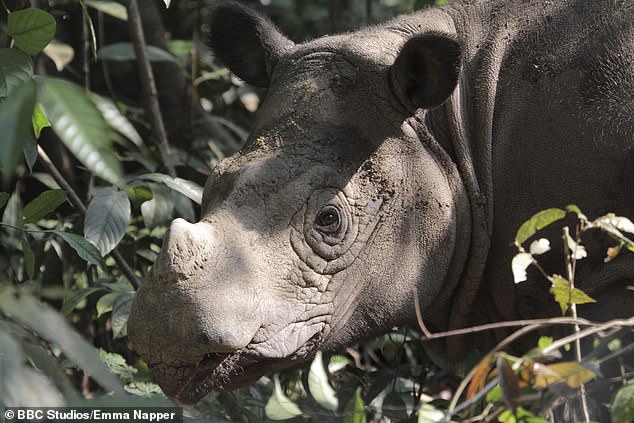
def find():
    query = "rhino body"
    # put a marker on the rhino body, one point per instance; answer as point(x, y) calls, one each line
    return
point(388, 163)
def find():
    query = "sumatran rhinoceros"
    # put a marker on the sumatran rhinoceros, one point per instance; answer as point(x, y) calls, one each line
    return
point(388, 163)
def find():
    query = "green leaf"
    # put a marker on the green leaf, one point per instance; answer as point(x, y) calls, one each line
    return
point(120, 313)
point(144, 389)
point(544, 342)
point(125, 51)
point(279, 406)
point(29, 258)
point(15, 127)
point(565, 296)
point(42, 205)
point(4, 197)
point(15, 68)
point(319, 385)
point(30, 151)
point(32, 29)
point(622, 407)
point(539, 221)
point(39, 120)
point(107, 218)
point(115, 119)
point(106, 302)
point(117, 365)
point(50, 325)
point(189, 189)
point(80, 126)
point(84, 248)
point(355, 410)
point(112, 8)
point(70, 303)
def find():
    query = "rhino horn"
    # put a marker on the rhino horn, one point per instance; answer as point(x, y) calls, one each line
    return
point(186, 245)
point(246, 42)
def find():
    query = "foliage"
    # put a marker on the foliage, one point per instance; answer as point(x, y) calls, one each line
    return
point(74, 238)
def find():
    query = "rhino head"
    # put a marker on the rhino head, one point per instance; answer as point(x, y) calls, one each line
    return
point(339, 210)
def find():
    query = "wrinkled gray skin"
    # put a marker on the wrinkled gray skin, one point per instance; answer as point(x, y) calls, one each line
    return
point(392, 162)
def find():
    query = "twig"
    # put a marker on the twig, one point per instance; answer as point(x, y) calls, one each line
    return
point(79, 205)
point(571, 261)
point(148, 85)
point(511, 323)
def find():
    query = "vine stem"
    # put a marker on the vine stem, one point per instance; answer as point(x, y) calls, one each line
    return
point(74, 199)
point(148, 84)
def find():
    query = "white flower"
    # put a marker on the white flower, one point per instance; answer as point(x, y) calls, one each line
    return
point(540, 246)
point(519, 265)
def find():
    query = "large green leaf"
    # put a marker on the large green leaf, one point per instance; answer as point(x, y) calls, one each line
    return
point(15, 68)
point(279, 406)
point(539, 221)
point(319, 385)
point(4, 197)
point(84, 248)
point(32, 29)
point(42, 205)
point(80, 126)
point(106, 219)
point(15, 127)
point(50, 325)
point(125, 51)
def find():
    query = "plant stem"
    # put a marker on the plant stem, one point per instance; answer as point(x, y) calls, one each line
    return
point(571, 259)
point(74, 199)
point(148, 84)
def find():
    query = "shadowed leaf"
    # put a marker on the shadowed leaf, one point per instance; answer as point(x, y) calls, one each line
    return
point(42, 205)
point(106, 219)
point(508, 383)
point(84, 248)
point(32, 29)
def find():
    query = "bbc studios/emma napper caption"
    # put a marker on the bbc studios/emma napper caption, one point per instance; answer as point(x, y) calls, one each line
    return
point(99, 414)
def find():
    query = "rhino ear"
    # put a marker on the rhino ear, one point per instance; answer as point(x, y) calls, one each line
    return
point(248, 43)
point(426, 71)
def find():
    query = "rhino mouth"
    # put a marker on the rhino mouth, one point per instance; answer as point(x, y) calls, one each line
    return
point(189, 383)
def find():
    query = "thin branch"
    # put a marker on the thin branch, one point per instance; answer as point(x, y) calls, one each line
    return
point(74, 199)
point(148, 84)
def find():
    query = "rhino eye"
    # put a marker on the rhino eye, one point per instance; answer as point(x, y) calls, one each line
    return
point(327, 220)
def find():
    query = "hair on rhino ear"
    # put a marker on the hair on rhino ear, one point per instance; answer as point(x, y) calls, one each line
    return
point(248, 43)
point(426, 71)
